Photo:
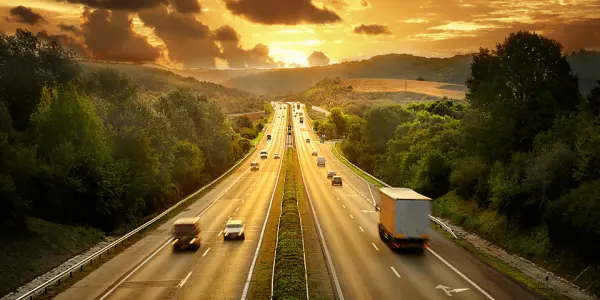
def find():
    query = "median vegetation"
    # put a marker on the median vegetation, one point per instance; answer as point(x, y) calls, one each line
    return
point(289, 280)
point(517, 164)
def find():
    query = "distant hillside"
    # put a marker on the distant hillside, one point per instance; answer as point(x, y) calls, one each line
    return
point(155, 80)
point(210, 75)
point(436, 89)
point(454, 70)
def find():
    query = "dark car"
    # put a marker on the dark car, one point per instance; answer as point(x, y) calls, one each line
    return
point(336, 180)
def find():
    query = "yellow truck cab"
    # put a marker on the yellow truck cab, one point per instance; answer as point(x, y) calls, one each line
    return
point(186, 233)
point(404, 218)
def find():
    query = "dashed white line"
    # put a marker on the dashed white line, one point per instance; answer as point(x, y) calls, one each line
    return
point(375, 246)
point(361, 229)
point(395, 272)
point(344, 206)
point(206, 252)
point(183, 281)
point(237, 209)
point(337, 198)
point(220, 233)
point(351, 217)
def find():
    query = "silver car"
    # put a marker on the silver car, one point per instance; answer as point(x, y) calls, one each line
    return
point(234, 229)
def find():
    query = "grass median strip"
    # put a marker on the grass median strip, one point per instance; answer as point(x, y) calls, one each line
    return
point(289, 281)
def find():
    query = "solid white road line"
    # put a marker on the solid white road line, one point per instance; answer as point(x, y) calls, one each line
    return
point(395, 272)
point(134, 270)
point(461, 274)
point(374, 246)
point(183, 281)
point(205, 252)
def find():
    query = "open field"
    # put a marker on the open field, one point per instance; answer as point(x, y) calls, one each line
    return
point(437, 89)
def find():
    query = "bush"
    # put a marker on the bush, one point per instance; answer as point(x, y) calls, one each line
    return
point(470, 179)
point(248, 133)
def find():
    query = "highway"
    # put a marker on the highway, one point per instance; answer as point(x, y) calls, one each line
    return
point(150, 269)
point(365, 268)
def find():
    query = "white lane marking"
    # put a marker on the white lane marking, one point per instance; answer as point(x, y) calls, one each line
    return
point(351, 217)
point(237, 209)
point(344, 206)
point(183, 281)
point(229, 217)
point(260, 239)
point(374, 246)
point(395, 272)
point(247, 194)
point(361, 229)
point(461, 274)
point(337, 198)
point(134, 270)
point(205, 252)
point(220, 233)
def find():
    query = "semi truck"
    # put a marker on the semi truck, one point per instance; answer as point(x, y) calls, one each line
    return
point(404, 218)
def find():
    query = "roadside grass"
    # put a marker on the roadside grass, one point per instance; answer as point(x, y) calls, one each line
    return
point(257, 139)
point(260, 287)
point(320, 286)
point(339, 154)
point(68, 281)
point(44, 246)
point(529, 283)
point(289, 281)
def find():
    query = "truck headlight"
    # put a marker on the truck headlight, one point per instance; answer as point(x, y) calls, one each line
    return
point(175, 242)
point(192, 241)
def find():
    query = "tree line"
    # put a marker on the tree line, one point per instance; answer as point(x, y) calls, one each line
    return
point(526, 144)
point(87, 148)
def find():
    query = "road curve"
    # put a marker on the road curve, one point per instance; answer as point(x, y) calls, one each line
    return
point(365, 267)
point(149, 269)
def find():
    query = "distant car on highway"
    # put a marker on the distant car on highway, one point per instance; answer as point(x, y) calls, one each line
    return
point(276, 156)
point(336, 180)
point(331, 173)
point(234, 229)
point(268, 137)
point(186, 234)
point(321, 162)
point(264, 154)
point(308, 140)
point(253, 166)
point(314, 153)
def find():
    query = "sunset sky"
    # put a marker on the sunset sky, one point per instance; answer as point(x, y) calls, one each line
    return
point(278, 33)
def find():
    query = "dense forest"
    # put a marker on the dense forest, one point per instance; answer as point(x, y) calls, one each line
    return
point(518, 163)
point(87, 148)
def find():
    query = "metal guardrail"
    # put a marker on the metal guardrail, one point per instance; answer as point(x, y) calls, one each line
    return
point(432, 218)
point(69, 272)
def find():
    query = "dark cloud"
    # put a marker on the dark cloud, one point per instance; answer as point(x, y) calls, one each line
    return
point(24, 14)
point(236, 57)
point(372, 29)
point(226, 34)
point(186, 6)
point(188, 40)
point(110, 36)
point(70, 28)
point(289, 12)
point(66, 41)
point(584, 33)
point(318, 58)
point(364, 3)
point(129, 5)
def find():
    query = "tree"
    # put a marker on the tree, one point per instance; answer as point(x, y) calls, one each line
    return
point(593, 100)
point(338, 118)
point(27, 65)
point(519, 88)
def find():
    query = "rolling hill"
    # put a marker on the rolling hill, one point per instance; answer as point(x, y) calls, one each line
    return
point(455, 70)
point(436, 89)
point(156, 81)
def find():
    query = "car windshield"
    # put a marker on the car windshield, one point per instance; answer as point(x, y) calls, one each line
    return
point(234, 225)
point(185, 228)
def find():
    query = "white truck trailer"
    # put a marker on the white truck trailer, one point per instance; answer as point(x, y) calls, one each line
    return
point(404, 218)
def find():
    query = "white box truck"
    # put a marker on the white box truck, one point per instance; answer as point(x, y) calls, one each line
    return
point(404, 218)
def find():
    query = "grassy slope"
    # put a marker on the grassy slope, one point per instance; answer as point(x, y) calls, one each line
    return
point(45, 246)
point(157, 81)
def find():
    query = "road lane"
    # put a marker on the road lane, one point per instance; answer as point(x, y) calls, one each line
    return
point(166, 274)
point(421, 273)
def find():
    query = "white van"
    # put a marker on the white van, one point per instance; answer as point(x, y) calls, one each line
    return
point(321, 162)
point(264, 154)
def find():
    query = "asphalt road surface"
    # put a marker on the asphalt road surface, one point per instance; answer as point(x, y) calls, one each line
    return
point(365, 268)
point(150, 269)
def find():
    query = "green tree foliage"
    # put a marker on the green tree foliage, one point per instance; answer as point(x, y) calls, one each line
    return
point(27, 65)
point(526, 148)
